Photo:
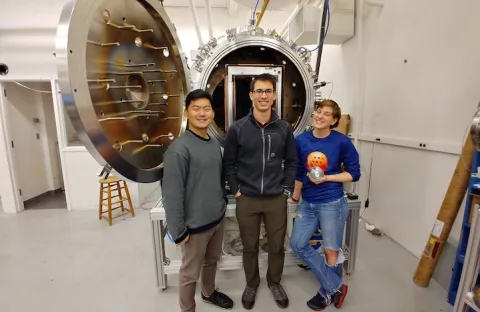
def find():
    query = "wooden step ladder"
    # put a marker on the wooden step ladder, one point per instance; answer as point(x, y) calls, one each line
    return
point(112, 187)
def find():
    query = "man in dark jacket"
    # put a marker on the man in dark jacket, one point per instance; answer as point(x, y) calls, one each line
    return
point(256, 148)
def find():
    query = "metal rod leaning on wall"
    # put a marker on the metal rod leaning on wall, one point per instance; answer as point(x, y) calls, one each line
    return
point(260, 15)
point(446, 216)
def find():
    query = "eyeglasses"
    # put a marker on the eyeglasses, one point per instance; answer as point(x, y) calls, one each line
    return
point(260, 91)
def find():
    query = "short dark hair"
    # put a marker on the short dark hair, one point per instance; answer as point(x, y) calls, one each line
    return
point(336, 111)
point(264, 77)
point(197, 94)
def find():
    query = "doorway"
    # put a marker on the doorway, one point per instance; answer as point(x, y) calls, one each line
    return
point(34, 145)
point(241, 101)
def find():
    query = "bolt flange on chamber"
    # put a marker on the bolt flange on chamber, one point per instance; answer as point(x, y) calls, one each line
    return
point(123, 78)
point(226, 65)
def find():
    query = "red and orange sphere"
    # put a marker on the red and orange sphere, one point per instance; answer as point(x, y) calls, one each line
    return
point(317, 159)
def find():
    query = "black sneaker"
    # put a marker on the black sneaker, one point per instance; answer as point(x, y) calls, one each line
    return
point(304, 266)
point(279, 295)
point(339, 296)
point(317, 303)
point(219, 299)
point(248, 297)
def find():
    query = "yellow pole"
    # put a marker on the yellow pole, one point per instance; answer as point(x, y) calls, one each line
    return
point(260, 15)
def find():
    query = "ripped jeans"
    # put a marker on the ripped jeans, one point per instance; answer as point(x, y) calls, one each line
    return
point(331, 218)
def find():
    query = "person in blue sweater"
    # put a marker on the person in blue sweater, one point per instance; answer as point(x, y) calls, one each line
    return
point(323, 203)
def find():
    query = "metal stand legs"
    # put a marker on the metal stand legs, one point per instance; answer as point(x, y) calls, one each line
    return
point(159, 232)
point(471, 268)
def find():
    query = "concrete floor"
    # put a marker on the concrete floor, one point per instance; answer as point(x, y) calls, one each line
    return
point(52, 260)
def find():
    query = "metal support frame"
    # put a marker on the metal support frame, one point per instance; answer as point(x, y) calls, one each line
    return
point(471, 269)
point(163, 265)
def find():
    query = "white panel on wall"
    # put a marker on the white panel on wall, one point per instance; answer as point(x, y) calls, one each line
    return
point(407, 189)
point(423, 71)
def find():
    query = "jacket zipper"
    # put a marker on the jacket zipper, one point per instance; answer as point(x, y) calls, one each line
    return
point(263, 158)
point(263, 140)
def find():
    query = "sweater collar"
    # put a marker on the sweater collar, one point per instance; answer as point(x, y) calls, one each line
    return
point(201, 138)
point(273, 117)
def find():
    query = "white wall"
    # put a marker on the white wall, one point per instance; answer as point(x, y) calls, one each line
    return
point(430, 99)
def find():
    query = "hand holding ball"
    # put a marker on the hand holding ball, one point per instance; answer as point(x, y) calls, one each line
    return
point(316, 173)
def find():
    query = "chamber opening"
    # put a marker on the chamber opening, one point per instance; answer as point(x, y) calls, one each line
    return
point(219, 106)
point(241, 100)
point(229, 84)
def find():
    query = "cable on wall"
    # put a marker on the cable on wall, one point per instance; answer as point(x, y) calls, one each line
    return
point(24, 86)
point(327, 17)
point(255, 11)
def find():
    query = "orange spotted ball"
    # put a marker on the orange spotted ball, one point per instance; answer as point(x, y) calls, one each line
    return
point(317, 159)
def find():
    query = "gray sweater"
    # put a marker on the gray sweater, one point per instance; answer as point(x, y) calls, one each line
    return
point(193, 185)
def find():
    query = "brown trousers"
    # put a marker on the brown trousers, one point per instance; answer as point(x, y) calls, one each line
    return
point(250, 211)
point(200, 253)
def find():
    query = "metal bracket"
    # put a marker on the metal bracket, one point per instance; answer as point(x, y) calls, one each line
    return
point(105, 172)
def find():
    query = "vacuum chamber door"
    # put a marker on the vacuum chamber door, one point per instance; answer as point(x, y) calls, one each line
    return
point(124, 79)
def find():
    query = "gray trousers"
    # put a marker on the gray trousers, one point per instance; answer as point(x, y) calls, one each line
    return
point(199, 257)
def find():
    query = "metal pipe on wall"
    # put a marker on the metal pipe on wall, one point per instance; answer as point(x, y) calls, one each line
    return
point(191, 4)
point(208, 6)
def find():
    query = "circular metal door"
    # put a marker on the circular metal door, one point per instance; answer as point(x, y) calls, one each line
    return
point(123, 78)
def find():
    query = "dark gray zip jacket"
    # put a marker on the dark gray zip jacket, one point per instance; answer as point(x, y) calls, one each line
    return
point(260, 161)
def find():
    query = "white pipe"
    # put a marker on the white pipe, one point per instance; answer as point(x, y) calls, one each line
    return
point(300, 4)
point(195, 19)
point(208, 6)
point(377, 3)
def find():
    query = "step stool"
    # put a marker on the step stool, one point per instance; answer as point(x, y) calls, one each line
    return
point(111, 195)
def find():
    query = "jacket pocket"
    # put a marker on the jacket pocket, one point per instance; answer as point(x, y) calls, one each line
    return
point(269, 147)
point(274, 147)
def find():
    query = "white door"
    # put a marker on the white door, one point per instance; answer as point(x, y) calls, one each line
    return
point(27, 146)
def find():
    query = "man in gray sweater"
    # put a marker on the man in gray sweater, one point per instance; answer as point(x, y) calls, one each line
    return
point(194, 202)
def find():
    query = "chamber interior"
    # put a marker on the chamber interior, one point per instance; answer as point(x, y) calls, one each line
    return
point(229, 84)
